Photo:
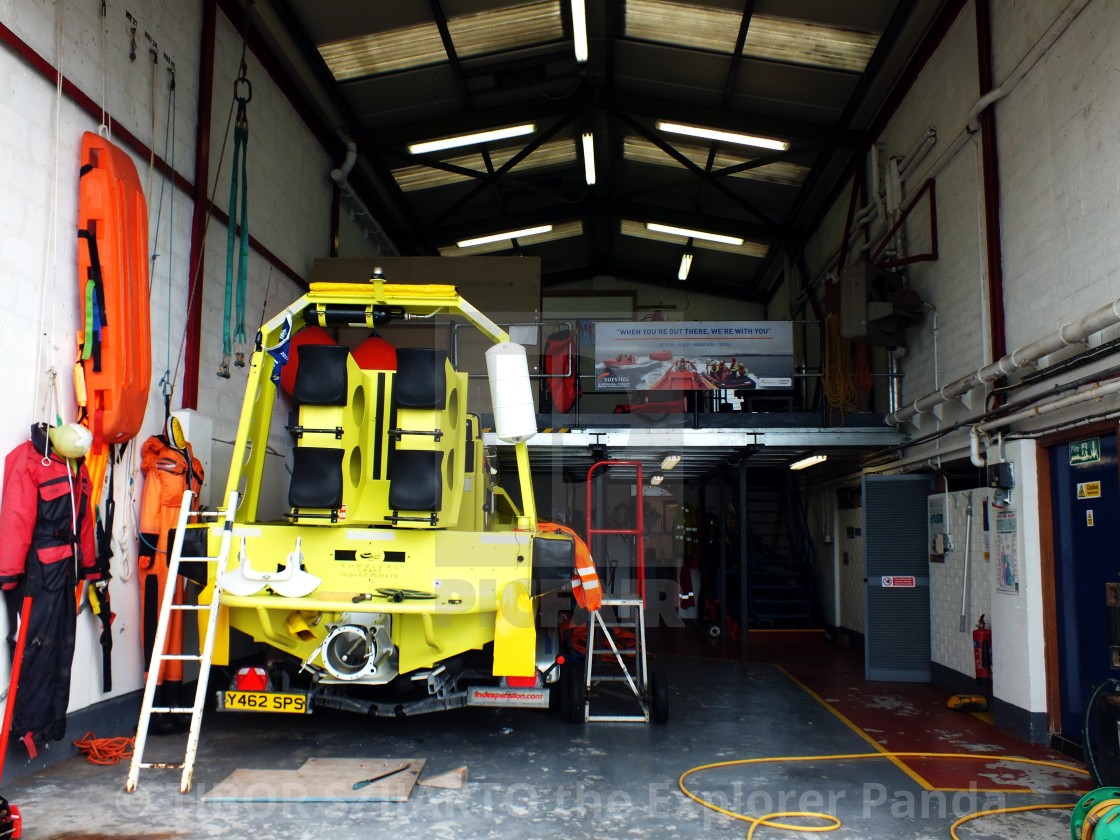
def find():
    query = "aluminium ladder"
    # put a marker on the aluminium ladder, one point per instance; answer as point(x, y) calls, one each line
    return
point(631, 662)
point(159, 656)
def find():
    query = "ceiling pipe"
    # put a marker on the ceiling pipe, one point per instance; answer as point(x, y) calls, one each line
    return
point(1067, 334)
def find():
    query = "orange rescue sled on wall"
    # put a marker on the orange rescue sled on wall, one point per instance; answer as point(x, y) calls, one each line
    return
point(115, 340)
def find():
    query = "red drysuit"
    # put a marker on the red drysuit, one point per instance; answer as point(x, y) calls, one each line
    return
point(46, 546)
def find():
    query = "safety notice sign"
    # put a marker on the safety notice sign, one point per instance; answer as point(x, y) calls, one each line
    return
point(899, 582)
point(1089, 490)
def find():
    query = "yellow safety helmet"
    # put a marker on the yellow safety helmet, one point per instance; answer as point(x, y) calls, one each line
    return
point(72, 440)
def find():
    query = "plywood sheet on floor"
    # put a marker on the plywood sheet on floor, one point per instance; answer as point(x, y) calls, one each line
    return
point(321, 780)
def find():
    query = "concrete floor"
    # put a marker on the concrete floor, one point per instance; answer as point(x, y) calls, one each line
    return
point(535, 776)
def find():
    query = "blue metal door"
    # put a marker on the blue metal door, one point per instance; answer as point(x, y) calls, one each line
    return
point(1084, 497)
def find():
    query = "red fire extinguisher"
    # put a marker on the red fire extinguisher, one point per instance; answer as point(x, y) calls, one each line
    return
point(982, 650)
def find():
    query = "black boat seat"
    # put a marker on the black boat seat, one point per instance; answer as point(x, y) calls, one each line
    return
point(316, 478)
point(416, 480)
point(321, 375)
point(421, 378)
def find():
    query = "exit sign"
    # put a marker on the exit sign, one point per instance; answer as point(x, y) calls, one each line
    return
point(1085, 452)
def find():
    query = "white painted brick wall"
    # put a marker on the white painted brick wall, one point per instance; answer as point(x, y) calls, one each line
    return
point(290, 199)
point(1060, 175)
point(949, 646)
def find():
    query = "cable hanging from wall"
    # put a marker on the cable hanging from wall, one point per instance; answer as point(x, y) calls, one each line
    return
point(836, 376)
point(42, 409)
point(165, 382)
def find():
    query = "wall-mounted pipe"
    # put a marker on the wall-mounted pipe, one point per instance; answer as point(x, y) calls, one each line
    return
point(1071, 333)
point(193, 339)
point(358, 207)
point(1060, 24)
point(1020, 357)
point(1095, 392)
point(918, 153)
point(967, 558)
point(990, 182)
point(340, 174)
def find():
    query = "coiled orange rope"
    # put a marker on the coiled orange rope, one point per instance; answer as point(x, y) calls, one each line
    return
point(104, 750)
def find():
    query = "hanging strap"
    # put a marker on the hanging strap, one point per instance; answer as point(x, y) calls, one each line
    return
point(243, 254)
point(95, 296)
point(240, 170)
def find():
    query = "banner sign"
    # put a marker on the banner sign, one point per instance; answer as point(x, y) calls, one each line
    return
point(693, 355)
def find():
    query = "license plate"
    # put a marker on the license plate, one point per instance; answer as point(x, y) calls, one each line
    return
point(264, 701)
point(536, 698)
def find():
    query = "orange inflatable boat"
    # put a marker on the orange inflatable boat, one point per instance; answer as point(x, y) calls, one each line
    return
point(115, 340)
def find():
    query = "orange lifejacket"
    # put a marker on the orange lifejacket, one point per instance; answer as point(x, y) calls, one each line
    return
point(585, 580)
point(167, 473)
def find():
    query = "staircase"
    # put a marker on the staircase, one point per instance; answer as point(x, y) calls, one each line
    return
point(779, 553)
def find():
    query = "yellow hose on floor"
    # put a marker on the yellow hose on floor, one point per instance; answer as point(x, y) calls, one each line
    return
point(833, 823)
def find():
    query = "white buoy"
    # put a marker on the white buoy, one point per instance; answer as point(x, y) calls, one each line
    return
point(515, 418)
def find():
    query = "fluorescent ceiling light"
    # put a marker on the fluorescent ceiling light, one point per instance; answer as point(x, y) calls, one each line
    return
point(670, 461)
point(421, 176)
point(471, 139)
point(694, 234)
point(656, 479)
point(723, 136)
point(564, 230)
point(686, 266)
point(501, 237)
point(808, 462)
point(588, 157)
point(779, 172)
point(678, 236)
point(579, 29)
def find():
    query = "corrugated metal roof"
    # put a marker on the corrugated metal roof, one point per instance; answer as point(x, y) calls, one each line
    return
point(682, 24)
point(513, 27)
point(812, 44)
point(803, 76)
point(384, 52)
point(768, 37)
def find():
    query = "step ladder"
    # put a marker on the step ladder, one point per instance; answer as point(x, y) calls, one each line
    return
point(203, 658)
point(603, 650)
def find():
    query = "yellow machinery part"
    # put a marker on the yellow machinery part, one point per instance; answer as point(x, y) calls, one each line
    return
point(515, 636)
